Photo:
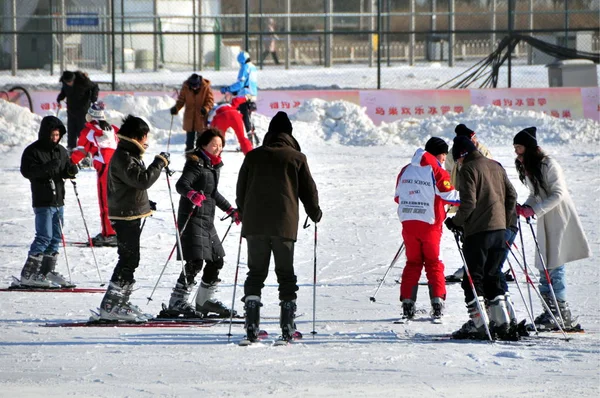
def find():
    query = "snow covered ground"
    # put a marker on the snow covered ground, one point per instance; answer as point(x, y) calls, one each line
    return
point(357, 350)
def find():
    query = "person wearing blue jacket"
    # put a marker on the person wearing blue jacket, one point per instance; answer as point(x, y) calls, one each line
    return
point(245, 86)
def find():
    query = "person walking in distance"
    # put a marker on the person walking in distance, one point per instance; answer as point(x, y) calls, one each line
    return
point(272, 180)
point(487, 202)
point(128, 181)
point(559, 231)
point(422, 189)
point(453, 168)
point(99, 140)
point(80, 92)
point(271, 41)
point(198, 187)
point(45, 163)
point(197, 98)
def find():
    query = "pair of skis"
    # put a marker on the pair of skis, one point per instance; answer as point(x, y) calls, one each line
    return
point(263, 335)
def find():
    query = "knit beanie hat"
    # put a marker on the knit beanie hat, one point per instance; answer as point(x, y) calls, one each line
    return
point(194, 81)
point(280, 124)
point(526, 137)
point(463, 130)
point(96, 111)
point(67, 76)
point(462, 147)
point(436, 146)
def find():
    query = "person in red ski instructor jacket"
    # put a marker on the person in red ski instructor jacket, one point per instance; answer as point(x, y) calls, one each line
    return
point(422, 189)
point(225, 116)
point(99, 139)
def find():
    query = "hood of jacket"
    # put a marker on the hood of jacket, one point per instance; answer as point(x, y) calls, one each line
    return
point(274, 140)
point(50, 123)
point(423, 158)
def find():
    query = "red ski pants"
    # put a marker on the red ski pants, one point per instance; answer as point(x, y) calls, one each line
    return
point(233, 119)
point(422, 248)
point(102, 170)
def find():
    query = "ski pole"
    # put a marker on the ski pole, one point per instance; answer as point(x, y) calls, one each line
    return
point(87, 231)
point(562, 321)
point(481, 310)
point(306, 225)
point(235, 281)
point(171, 254)
point(544, 304)
point(527, 308)
point(170, 130)
point(396, 257)
point(524, 260)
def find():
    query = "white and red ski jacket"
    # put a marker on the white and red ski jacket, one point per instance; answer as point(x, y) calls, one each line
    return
point(101, 144)
point(423, 188)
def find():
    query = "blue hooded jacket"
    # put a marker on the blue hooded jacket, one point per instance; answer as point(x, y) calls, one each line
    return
point(247, 80)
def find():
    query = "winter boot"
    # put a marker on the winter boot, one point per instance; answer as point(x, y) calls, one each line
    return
point(48, 269)
point(179, 305)
point(32, 276)
point(475, 328)
point(115, 305)
point(104, 241)
point(205, 301)
point(252, 324)
point(545, 321)
point(499, 317)
point(457, 276)
point(286, 319)
point(437, 309)
point(408, 310)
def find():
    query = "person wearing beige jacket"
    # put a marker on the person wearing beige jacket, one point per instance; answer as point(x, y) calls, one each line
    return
point(559, 233)
point(197, 97)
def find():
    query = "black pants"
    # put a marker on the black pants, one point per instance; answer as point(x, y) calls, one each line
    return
point(259, 257)
point(273, 54)
point(128, 249)
point(190, 140)
point(245, 110)
point(192, 268)
point(484, 253)
point(75, 123)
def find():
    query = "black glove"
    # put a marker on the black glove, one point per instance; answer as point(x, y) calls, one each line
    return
point(165, 156)
point(451, 226)
point(203, 112)
point(318, 217)
point(152, 205)
point(174, 110)
point(72, 170)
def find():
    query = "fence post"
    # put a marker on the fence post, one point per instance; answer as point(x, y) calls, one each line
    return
point(288, 37)
point(14, 58)
point(411, 45)
point(328, 30)
point(452, 38)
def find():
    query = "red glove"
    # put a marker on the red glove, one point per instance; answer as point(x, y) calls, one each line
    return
point(196, 198)
point(525, 211)
point(235, 215)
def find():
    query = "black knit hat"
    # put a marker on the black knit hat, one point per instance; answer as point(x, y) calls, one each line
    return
point(526, 137)
point(67, 76)
point(462, 147)
point(280, 124)
point(194, 81)
point(436, 146)
point(463, 130)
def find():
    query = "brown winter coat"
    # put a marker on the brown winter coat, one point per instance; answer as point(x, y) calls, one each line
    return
point(271, 180)
point(487, 197)
point(194, 119)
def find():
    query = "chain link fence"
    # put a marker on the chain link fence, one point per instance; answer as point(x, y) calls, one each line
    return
point(385, 43)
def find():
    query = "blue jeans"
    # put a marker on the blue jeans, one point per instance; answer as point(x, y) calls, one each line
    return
point(47, 230)
point(509, 236)
point(559, 283)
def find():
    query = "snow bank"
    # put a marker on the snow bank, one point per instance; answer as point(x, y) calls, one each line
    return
point(317, 122)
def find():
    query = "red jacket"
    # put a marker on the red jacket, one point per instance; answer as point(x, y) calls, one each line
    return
point(101, 144)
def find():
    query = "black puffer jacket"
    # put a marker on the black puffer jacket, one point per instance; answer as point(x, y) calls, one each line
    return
point(80, 95)
point(43, 162)
point(199, 239)
point(128, 180)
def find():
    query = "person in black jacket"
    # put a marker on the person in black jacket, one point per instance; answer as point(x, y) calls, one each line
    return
point(128, 180)
point(80, 93)
point(198, 187)
point(45, 163)
point(272, 180)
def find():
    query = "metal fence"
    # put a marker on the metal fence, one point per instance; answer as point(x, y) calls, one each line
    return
point(137, 36)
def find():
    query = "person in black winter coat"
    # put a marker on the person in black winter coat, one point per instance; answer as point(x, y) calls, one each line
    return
point(128, 180)
point(45, 163)
point(198, 187)
point(80, 93)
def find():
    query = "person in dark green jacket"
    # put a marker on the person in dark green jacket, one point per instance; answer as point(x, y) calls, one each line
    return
point(128, 180)
point(272, 180)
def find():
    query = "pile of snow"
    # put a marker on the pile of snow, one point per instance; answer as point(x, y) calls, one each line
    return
point(317, 122)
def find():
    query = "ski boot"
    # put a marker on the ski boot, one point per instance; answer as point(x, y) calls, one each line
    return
point(179, 305)
point(408, 311)
point(475, 328)
point(545, 322)
point(252, 324)
point(48, 269)
point(116, 307)
point(104, 241)
point(206, 303)
point(286, 319)
point(32, 276)
point(501, 324)
point(457, 276)
point(437, 309)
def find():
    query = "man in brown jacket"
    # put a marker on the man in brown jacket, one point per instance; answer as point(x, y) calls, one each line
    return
point(198, 100)
point(487, 202)
point(271, 180)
